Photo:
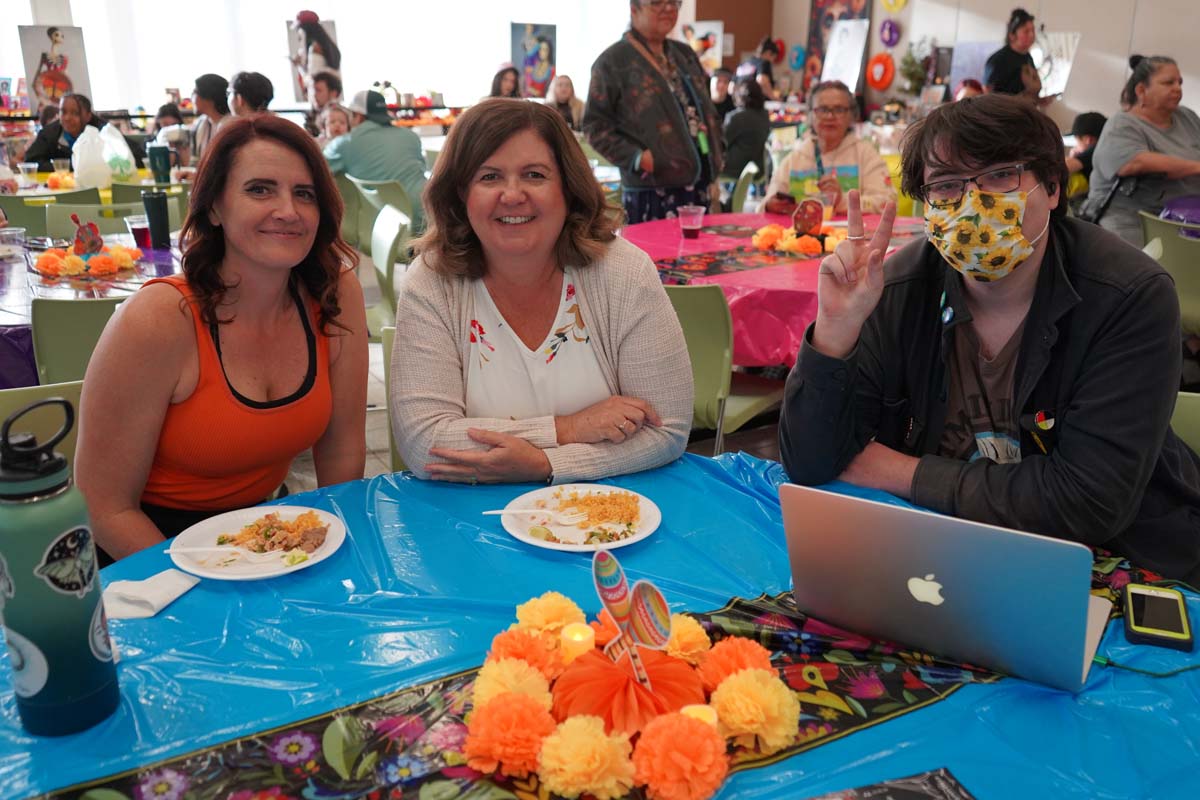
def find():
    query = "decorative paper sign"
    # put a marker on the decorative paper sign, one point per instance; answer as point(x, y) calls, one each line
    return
point(55, 63)
point(642, 613)
point(300, 67)
point(534, 50)
point(844, 59)
point(705, 39)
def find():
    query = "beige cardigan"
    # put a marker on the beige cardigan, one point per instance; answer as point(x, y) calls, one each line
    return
point(638, 342)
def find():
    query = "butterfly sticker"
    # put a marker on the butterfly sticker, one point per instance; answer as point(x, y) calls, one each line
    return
point(69, 565)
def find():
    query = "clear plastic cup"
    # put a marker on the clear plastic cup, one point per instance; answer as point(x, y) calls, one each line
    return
point(691, 218)
point(61, 165)
point(139, 229)
point(12, 243)
point(28, 173)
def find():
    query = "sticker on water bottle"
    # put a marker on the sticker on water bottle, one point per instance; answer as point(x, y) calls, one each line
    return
point(30, 670)
point(69, 564)
point(98, 633)
point(7, 589)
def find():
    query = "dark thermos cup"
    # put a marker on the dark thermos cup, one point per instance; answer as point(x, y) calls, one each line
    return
point(156, 215)
point(61, 659)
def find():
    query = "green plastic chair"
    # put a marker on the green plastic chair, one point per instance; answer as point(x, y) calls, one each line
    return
point(1186, 419)
point(29, 211)
point(431, 157)
point(1180, 256)
point(351, 202)
point(44, 422)
point(389, 240)
point(737, 200)
point(65, 333)
point(389, 339)
point(375, 195)
point(108, 218)
point(724, 400)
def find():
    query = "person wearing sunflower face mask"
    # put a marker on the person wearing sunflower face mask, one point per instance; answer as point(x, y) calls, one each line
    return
point(1018, 367)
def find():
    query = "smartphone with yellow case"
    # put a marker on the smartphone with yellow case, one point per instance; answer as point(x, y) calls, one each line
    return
point(1157, 616)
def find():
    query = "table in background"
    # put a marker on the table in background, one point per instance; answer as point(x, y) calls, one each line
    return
point(19, 284)
point(772, 295)
point(423, 582)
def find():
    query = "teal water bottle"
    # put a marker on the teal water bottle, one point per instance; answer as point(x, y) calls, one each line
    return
point(59, 652)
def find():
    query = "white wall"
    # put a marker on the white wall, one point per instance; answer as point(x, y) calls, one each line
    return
point(1112, 30)
point(137, 48)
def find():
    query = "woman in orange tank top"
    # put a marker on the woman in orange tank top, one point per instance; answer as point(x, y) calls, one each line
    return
point(206, 385)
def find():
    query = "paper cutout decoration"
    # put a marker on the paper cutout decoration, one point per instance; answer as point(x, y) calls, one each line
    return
point(889, 32)
point(87, 237)
point(641, 613)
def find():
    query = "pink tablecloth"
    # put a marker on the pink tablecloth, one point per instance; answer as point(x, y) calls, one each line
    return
point(770, 305)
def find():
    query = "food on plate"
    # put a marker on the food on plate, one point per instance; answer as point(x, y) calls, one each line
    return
point(270, 532)
point(611, 515)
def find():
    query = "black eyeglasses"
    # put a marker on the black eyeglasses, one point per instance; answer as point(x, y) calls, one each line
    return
point(659, 5)
point(948, 194)
point(831, 111)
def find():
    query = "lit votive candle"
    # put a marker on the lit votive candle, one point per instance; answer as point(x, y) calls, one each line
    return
point(702, 712)
point(577, 639)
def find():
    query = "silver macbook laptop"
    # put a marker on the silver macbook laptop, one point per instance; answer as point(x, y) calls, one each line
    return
point(1013, 602)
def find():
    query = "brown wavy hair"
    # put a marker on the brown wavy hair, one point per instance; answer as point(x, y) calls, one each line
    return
point(450, 245)
point(204, 243)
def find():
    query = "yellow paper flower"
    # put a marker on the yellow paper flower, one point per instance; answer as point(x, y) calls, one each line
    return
point(579, 757)
point(688, 639)
point(73, 265)
point(755, 704)
point(765, 237)
point(511, 675)
point(548, 614)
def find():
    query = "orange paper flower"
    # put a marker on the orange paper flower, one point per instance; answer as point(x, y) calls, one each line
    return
point(730, 655)
point(548, 614)
point(605, 628)
point(101, 265)
point(680, 758)
point(594, 685)
point(510, 675)
point(688, 639)
point(767, 236)
point(755, 706)
point(580, 757)
point(531, 648)
point(507, 734)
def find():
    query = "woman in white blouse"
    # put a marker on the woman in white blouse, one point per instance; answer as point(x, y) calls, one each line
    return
point(532, 344)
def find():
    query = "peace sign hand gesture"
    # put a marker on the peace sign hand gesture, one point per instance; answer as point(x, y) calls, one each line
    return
point(850, 281)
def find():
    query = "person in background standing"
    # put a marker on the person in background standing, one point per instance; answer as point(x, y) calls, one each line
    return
point(210, 99)
point(761, 67)
point(718, 92)
point(1010, 70)
point(563, 100)
point(251, 93)
point(746, 129)
point(506, 82)
point(648, 112)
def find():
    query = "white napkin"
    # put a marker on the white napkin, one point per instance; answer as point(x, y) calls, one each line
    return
point(139, 599)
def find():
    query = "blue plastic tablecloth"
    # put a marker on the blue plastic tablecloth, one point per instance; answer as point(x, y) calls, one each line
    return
point(423, 583)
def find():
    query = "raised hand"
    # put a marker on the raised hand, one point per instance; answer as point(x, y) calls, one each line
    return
point(850, 281)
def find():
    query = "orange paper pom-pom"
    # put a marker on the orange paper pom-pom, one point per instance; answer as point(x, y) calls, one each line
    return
point(594, 685)
point(605, 628)
point(680, 758)
point(102, 265)
point(507, 734)
point(530, 648)
point(730, 655)
point(758, 709)
point(580, 758)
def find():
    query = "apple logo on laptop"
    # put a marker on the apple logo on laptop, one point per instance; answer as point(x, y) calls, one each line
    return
point(926, 590)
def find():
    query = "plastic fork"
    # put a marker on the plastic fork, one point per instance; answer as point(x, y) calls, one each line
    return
point(555, 517)
point(249, 555)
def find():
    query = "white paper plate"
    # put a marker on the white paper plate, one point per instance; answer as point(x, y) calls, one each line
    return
point(518, 525)
point(204, 534)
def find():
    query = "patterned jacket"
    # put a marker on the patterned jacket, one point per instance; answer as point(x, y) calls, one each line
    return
point(631, 108)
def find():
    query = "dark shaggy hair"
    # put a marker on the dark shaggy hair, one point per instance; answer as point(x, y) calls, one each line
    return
point(332, 82)
point(450, 246)
point(204, 243)
point(1143, 70)
point(315, 33)
point(1018, 18)
point(981, 131)
point(255, 88)
point(499, 77)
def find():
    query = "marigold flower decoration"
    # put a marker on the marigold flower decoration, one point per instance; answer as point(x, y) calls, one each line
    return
point(579, 757)
point(529, 647)
point(507, 734)
point(511, 675)
point(755, 706)
point(680, 758)
point(108, 262)
point(548, 614)
point(731, 655)
point(765, 237)
point(688, 639)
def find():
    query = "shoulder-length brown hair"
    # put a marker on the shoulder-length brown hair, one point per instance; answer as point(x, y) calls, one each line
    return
point(204, 243)
point(450, 245)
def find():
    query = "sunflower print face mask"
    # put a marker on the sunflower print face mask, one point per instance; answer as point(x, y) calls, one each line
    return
point(982, 238)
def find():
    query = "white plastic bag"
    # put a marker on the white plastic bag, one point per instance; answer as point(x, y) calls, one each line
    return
point(87, 156)
point(117, 155)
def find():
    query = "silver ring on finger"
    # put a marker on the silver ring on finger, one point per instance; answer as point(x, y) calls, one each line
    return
point(856, 238)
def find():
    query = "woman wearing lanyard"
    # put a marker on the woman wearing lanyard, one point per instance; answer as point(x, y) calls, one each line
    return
point(832, 160)
point(649, 113)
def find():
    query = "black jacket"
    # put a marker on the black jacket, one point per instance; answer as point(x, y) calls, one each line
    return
point(1100, 355)
point(50, 144)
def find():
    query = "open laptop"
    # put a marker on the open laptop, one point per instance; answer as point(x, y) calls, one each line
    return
point(1014, 602)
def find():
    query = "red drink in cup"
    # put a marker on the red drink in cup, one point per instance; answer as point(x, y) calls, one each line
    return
point(139, 229)
point(691, 218)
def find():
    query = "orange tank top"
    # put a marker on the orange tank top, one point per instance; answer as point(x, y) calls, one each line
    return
point(218, 450)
